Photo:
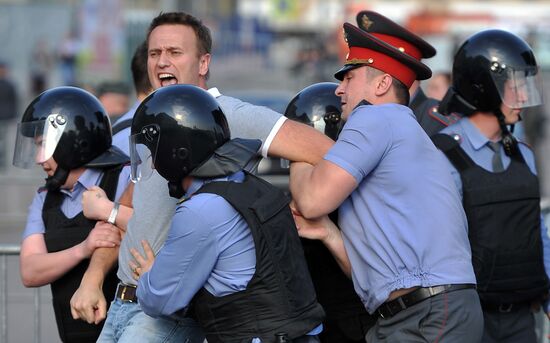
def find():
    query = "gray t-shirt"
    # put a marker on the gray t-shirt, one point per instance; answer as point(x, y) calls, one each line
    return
point(153, 206)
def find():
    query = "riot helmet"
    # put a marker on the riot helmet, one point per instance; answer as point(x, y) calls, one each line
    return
point(494, 67)
point(318, 106)
point(70, 125)
point(174, 130)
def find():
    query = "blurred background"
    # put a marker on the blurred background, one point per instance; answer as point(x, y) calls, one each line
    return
point(264, 52)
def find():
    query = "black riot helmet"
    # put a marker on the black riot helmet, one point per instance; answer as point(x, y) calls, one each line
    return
point(318, 106)
point(174, 130)
point(494, 67)
point(70, 125)
point(490, 69)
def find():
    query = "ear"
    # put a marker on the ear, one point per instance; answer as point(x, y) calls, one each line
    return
point(204, 64)
point(383, 84)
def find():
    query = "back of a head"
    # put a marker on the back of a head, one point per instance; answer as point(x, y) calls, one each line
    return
point(176, 129)
point(318, 106)
point(142, 85)
point(495, 66)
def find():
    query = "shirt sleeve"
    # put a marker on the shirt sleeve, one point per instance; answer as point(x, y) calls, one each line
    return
point(35, 224)
point(251, 122)
point(182, 266)
point(362, 144)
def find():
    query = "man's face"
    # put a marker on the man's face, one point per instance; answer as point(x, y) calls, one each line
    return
point(354, 88)
point(174, 57)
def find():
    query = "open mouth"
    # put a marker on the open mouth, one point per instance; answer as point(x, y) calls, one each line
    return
point(167, 79)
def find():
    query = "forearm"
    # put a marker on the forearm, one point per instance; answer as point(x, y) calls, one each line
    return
point(298, 142)
point(40, 269)
point(101, 262)
point(335, 244)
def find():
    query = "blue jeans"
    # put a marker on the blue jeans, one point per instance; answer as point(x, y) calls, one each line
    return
point(126, 322)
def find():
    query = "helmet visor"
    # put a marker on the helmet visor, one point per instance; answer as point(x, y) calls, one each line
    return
point(36, 141)
point(143, 150)
point(519, 88)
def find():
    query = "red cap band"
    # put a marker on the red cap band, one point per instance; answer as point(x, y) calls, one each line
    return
point(400, 44)
point(381, 62)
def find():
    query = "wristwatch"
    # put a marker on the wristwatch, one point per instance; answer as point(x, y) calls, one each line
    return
point(113, 214)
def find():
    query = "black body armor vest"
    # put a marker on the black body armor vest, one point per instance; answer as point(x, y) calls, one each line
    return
point(63, 233)
point(503, 211)
point(280, 297)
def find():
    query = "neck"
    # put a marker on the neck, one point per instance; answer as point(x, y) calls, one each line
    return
point(73, 177)
point(487, 124)
point(413, 88)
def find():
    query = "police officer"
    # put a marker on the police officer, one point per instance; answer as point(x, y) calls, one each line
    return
point(394, 199)
point(424, 108)
point(67, 132)
point(232, 250)
point(495, 76)
point(347, 320)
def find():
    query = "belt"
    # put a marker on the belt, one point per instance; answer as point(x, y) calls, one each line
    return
point(391, 308)
point(505, 307)
point(126, 292)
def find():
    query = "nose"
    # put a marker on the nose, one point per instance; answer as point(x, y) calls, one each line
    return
point(163, 60)
point(340, 89)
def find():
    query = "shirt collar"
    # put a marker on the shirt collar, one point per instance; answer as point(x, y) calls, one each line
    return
point(214, 92)
point(472, 133)
point(89, 178)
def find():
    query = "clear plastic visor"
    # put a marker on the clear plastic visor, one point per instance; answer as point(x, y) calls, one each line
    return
point(36, 141)
point(143, 149)
point(519, 88)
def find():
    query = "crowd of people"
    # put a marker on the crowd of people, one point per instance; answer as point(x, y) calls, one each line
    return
point(409, 220)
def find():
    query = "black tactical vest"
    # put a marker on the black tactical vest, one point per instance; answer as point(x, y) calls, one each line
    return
point(280, 297)
point(503, 211)
point(63, 233)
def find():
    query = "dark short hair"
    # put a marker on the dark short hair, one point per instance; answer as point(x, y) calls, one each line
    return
point(401, 92)
point(139, 70)
point(204, 39)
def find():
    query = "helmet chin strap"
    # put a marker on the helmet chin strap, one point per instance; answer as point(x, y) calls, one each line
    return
point(53, 183)
point(508, 140)
point(176, 189)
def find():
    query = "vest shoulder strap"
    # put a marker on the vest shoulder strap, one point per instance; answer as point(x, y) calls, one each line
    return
point(451, 148)
point(258, 196)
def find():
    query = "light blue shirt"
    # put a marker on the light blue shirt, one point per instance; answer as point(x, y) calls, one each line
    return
point(209, 245)
point(404, 225)
point(122, 138)
point(72, 200)
point(474, 143)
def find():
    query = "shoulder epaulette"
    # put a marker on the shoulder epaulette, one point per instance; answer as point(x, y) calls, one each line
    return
point(443, 119)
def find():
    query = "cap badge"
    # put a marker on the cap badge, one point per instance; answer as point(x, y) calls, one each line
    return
point(402, 49)
point(345, 35)
point(366, 23)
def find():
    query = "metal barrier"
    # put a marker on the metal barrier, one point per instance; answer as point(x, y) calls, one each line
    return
point(5, 251)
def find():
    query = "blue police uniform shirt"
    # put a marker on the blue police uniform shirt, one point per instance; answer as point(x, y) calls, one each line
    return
point(121, 138)
point(404, 225)
point(72, 200)
point(209, 245)
point(475, 145)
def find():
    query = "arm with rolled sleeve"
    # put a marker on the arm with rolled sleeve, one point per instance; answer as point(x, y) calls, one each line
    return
point(182, 266)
